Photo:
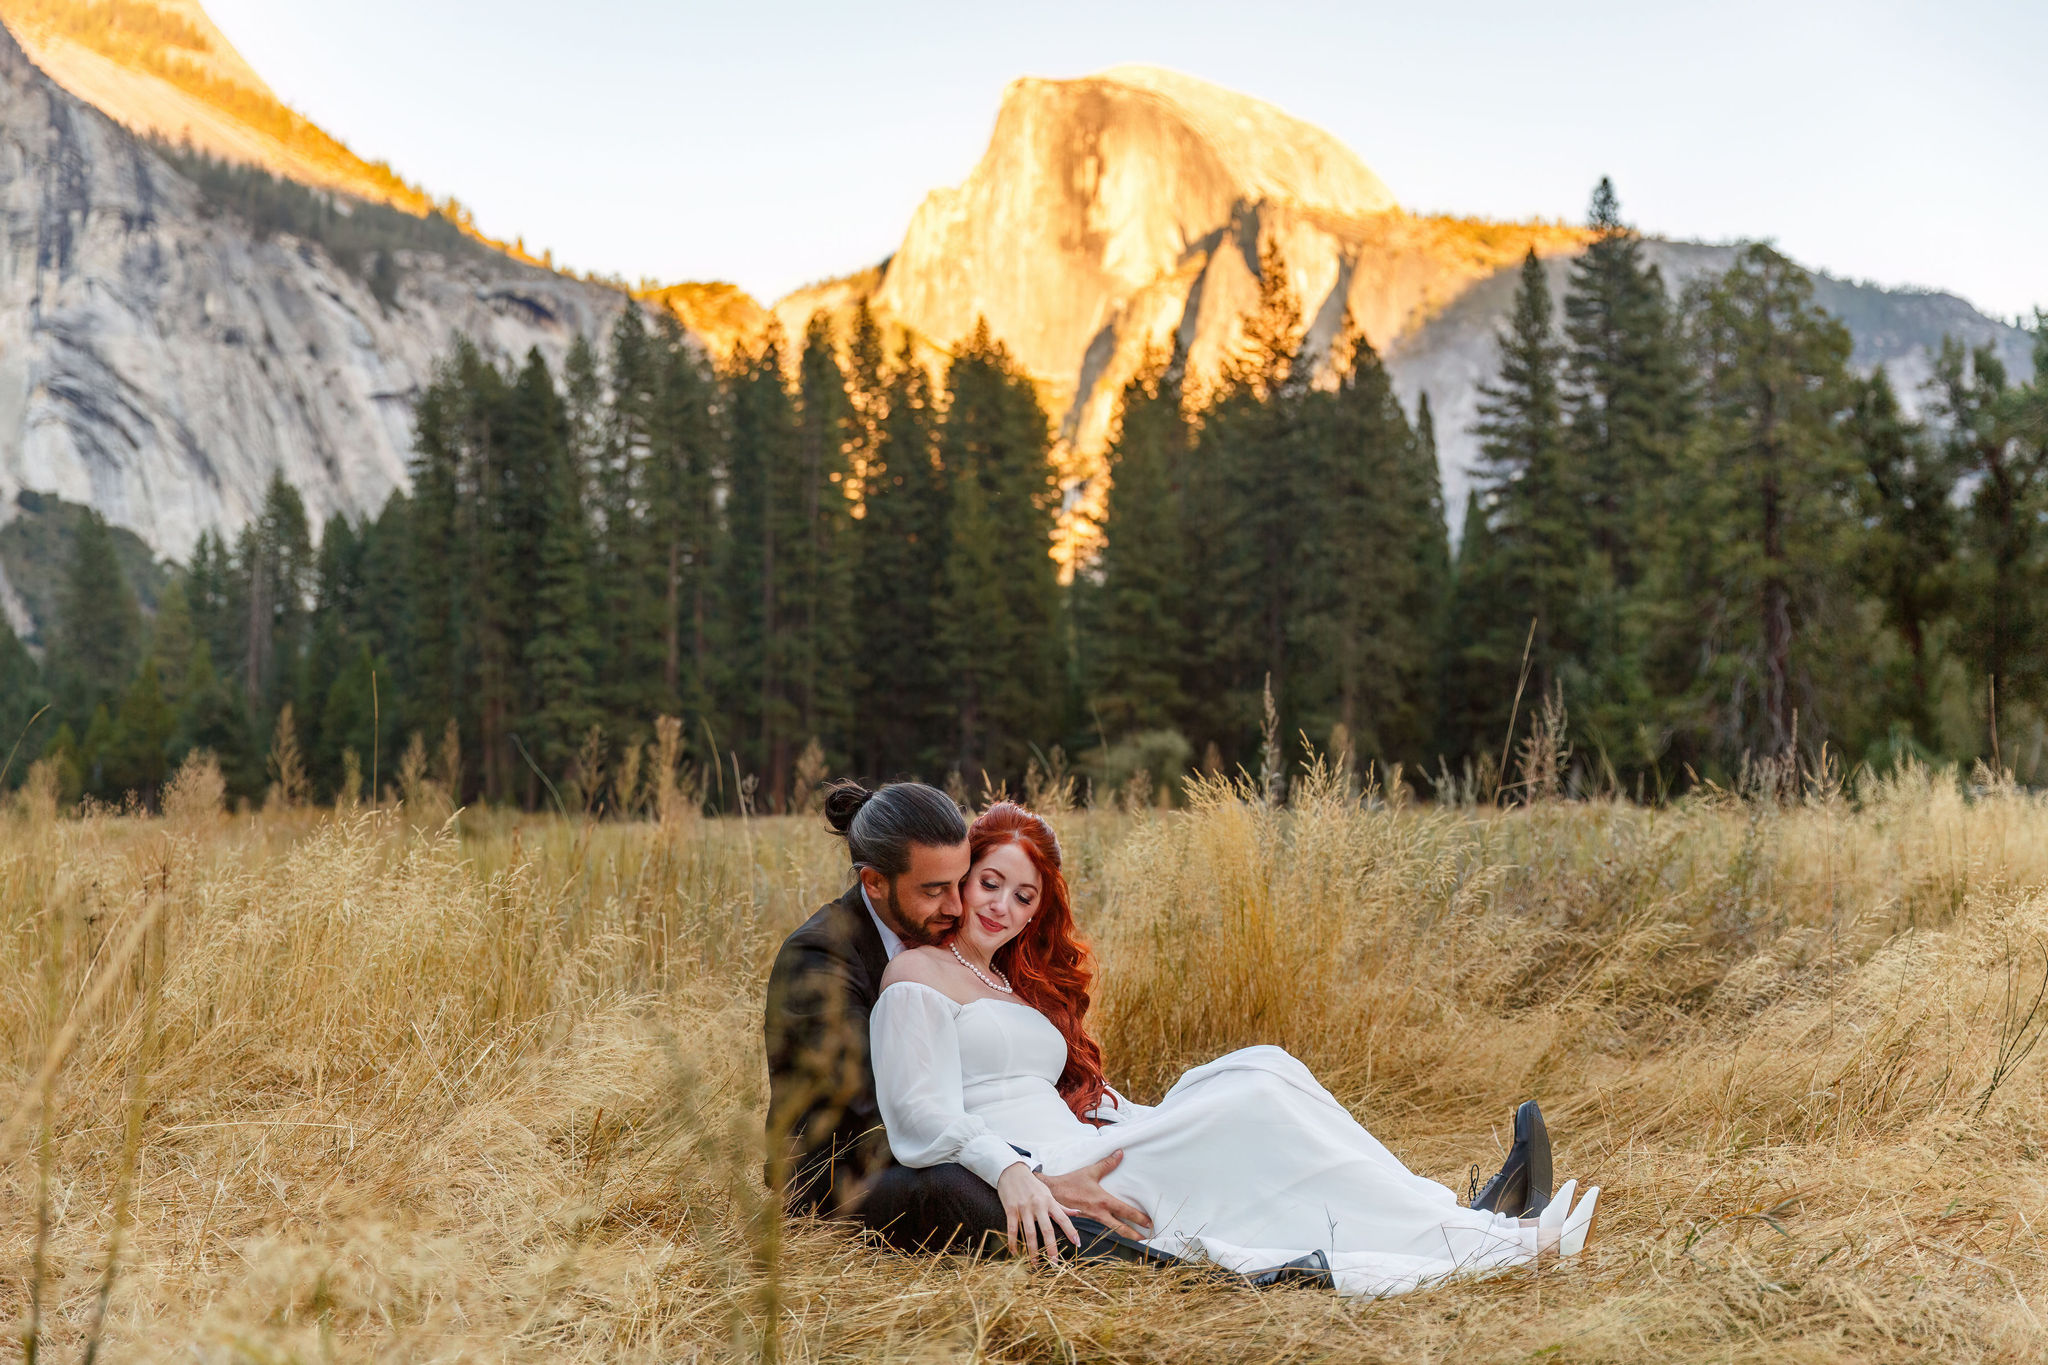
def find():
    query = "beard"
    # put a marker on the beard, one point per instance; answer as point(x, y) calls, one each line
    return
point(917, 935)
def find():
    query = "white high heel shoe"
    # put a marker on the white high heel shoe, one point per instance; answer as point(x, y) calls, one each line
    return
point(1579, 1226)
point(1558, 1210)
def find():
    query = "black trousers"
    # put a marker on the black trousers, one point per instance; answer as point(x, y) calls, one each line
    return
point(936, 1208)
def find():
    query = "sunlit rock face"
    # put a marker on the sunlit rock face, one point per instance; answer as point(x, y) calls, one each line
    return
point(160, 363)
point(1113, 212)
point(227, 112)
point(1092, 190)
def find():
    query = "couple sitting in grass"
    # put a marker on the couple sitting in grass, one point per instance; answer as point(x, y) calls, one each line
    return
point(933, 1078)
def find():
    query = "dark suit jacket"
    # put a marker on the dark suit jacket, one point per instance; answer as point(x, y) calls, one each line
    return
point(824, 1129)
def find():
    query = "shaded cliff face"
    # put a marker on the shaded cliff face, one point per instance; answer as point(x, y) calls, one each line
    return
point(160, 362)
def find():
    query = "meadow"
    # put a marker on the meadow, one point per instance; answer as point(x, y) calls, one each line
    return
point(397, 1082)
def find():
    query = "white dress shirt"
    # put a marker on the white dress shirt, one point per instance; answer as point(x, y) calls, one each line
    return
point(891, 943)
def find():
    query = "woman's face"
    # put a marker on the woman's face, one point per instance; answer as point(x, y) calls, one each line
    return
point(998, 899)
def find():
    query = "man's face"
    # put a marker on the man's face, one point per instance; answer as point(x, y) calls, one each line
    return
point(923, 903)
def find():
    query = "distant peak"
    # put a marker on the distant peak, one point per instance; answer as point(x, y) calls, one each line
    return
point(1274, 154)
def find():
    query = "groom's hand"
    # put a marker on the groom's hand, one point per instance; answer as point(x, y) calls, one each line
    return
point(1081, 1192)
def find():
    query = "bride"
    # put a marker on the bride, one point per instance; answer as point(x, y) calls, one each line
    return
point(982, 1056)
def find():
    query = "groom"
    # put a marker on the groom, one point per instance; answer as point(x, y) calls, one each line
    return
point(827, 1153)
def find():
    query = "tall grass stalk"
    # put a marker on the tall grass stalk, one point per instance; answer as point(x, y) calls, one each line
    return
point(379, 1084)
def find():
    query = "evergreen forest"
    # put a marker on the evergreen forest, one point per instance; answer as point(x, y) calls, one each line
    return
point(1699, 544)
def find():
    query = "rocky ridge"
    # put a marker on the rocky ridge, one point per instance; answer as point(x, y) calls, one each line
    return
point(161, 362)
point(161, 68)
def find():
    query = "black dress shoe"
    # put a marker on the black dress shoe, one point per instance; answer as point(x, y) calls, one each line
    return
point(1521, 1189)
point(1307, 1272)
point(1098, 1243)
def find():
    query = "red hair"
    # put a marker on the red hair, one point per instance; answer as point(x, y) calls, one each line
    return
point(1047, 964)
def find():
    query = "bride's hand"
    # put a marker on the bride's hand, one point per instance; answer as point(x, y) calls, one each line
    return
point(1028, 1206)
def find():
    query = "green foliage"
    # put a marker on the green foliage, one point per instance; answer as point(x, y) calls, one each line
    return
point(1904, 500)
point(999, 611)
point(136, 754)
point(1997, 439)
point(1162, 756)
point(1288, 532)
point(1136, 613)
point(36, 550)
point(1762, 591)
point(1539, 551)
point(21, 697)
point(1731, 546)
point(901, 542)
point(99, 625)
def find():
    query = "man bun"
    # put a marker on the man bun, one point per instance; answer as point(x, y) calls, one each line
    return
point(880, 827)
point(843, 800)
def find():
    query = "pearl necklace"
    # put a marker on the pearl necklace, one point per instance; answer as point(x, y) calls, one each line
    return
point(1005, 988)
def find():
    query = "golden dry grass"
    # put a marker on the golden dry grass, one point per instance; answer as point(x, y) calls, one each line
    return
point(489, 1090)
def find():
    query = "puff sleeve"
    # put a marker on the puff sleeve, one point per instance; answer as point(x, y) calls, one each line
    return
point(914, 1039)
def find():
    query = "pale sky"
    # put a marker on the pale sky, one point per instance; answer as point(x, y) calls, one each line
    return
point(776, 144)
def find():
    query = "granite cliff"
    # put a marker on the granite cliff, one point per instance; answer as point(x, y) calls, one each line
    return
point(161, 360)
point(1113, 212)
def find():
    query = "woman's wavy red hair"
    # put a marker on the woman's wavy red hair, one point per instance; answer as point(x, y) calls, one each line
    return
point(1048, 965)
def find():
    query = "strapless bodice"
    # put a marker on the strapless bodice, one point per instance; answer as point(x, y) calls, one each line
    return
point(1011, 1058)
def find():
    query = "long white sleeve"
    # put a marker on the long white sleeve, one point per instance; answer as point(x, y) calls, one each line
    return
point(915, 1041)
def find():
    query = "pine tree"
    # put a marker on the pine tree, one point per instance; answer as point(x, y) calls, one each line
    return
point(1624, 389)
point(1769, 466)
point(273, 573)
point(94, 751)
point(172, 637)
point(65, 755)
point(1251, 490)
point(136, 755)
point(1381, 525)
point(682, 516)
point(1533, 514)
point(867, 400)
point(209, 592)
point(821, 567)
point(1626, 409)
point(1137, 627)
point(455, 645)
point(210, 718)
point(1995, 446)
point(98, 633)
point(631, 582)
point(337, 590)
point(1905, 552)
point(902, 541)
point(21, 697)
point(765, 516)
point(349, 715)
point(559, 697)
point(998, 622)
point(385, 620)
point(1482, 651)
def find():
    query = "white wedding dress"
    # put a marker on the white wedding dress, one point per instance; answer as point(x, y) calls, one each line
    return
point(1247, 1162)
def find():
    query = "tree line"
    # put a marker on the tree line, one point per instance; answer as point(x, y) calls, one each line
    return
point(1718, 543)
point(1697, 539)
